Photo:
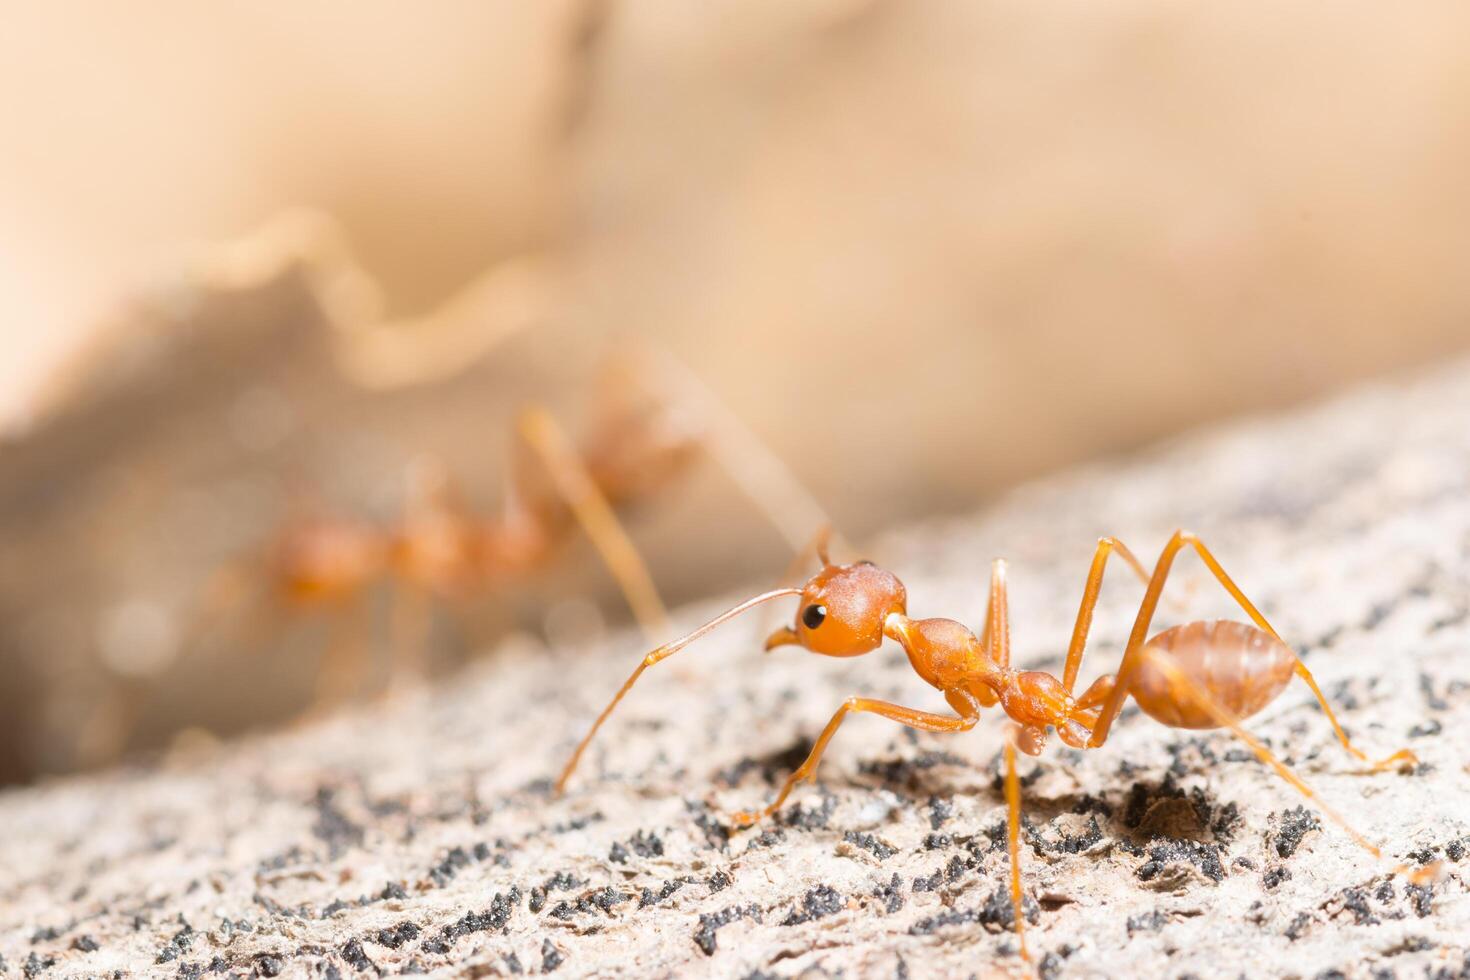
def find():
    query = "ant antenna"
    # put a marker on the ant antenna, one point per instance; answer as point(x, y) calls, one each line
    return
point(661, 653)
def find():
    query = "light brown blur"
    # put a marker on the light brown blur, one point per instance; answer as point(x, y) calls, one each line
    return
point(1032, 234)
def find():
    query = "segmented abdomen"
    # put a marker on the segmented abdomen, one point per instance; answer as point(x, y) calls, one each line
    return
point(1242, 667)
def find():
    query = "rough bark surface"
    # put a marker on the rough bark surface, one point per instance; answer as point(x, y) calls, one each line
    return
point(420, 835)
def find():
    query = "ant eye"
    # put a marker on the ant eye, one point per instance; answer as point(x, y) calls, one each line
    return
point(813, 616)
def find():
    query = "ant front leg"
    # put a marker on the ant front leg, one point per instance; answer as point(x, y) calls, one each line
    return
point(1133, 653)
point(962, 701)
point(590, 506)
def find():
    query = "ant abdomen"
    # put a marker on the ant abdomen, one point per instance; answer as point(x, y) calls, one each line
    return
point(1242, 666)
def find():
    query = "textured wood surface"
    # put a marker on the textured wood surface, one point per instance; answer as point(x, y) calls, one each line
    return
point(420, 836)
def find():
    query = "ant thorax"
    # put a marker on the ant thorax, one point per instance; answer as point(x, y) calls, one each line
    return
point(947, 655)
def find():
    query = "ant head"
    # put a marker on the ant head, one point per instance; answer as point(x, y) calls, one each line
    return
point(842, 610)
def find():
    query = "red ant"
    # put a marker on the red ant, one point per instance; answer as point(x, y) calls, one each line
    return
point(438, 548)
point(1199, 675)
point(652, 420)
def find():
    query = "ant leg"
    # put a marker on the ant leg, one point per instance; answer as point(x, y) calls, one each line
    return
point(1182, 683)
point(412, 626)
point(1105, 547)
point(661, 653)
point(961, 701)
point(997, 641)
point(1013, 837)
point(598, 519)
point(995, 635)
point(1398, 758)
point(1140, 634)
point(341, 667)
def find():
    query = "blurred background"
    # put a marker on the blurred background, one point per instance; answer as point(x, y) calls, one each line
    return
point(260, 261)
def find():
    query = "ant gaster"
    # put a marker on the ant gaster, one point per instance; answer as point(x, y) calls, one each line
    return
point(1196, 676)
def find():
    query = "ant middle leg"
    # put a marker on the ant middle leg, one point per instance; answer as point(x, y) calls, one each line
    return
point(1013, 837)
point(1133, 653)
point(964, 704)
point(995, 635)
point(1090, 592)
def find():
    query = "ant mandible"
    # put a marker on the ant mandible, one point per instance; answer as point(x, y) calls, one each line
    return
point(1196, 676)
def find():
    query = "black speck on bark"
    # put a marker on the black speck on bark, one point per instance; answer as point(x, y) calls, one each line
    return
point(1295, 824)
point(353, 955)
point(551, 957)
point(1275, 876)
point(818, 903)
point(871, 844)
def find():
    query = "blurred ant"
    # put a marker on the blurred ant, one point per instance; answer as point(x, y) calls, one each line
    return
point(438, 547)
point(1199, 675)
point(641, 442)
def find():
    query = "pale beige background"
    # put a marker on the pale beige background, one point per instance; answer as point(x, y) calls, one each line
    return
point(937, 246)
point(923, 250)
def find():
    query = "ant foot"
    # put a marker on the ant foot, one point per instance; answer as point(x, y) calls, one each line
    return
point(746, 818)
point(1402, 759)
point(1425, 875)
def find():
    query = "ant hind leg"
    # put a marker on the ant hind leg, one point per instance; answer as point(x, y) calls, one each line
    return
point(343, 661)
point(1399, 758)
point(1131, 656)
point(412, 629)
point(1183, 684)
